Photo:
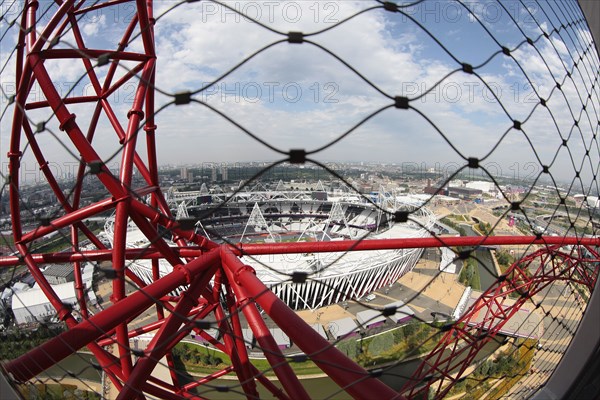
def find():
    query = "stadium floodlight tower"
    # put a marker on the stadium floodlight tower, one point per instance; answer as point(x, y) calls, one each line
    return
point(214, 288)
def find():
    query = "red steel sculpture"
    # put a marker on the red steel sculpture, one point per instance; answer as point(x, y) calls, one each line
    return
point(214, 284)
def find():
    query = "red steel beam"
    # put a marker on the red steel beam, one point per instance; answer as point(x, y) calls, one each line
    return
point(44, 356)
point(494, 318)
point(152, 326)
point(94, 53)
point(163, 339)
point(242, 361)
point(100, 5)
point(406, 243)
point(239, 358)
point(208, 378)
point(94, 255)
point(350, 376)
point(314, 247)
point(278, 362)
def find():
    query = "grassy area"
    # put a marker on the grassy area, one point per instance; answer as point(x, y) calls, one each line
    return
point(17, 341)
point(58, 243)
point(493, 378)
point(61, 241)
point(200, 360)
point(483, 228)
point(524, 228)
point(6, 240)
point(583, 292)
point(454, 224)
point(504, 259)
point(525, 357)
point(410, 340)
point(459, 217)
point(300, 368)
point(469, 274)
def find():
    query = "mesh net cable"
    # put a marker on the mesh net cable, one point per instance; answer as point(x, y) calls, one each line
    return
point(300, 199)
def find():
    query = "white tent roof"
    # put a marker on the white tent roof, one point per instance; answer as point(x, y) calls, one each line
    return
point(320, 330)
point(402, 311)
point(369, 317)
point(280, 337)
point(342, 327)
point(35, 296)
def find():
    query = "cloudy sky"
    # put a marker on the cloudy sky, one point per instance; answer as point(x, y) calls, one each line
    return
point(307, 95)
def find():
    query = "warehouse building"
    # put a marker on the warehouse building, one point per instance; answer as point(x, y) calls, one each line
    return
point(59, 273)
point(33, 305)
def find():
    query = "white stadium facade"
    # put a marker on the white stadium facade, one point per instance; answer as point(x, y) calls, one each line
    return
point(285, 215)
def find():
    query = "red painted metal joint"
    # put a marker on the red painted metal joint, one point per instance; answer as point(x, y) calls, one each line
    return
point(67, 124)
point(181, 268)
point(244, 268)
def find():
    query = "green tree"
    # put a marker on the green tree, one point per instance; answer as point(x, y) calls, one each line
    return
point(410, 329)
point(398, 335)
point(380, 344)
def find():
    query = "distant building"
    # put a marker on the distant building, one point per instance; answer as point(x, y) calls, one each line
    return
point(485, 187)
point(435, 191)
point(59, 273)
point(33, 305)
point(464, 193)
point(224, 173)
point(20, 287)
point(5, 300)
point(212, 332)
point(183, 173)
point(447, 263)
point(283, 341)
point(588, 201)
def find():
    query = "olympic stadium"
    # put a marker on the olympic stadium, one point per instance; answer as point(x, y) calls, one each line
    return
point(262, 215)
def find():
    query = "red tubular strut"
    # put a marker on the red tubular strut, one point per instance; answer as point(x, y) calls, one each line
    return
point(314, 247)
point(345, 372)
point(408, 243)
point(44, 356)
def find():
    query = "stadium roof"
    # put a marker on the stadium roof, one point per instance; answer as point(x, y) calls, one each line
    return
point(336, 263)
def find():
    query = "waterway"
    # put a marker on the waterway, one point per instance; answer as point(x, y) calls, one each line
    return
point(78, 366)
point(487, 270)
point(485, 264)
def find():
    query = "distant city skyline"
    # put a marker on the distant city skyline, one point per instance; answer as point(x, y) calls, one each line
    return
point(299, 96)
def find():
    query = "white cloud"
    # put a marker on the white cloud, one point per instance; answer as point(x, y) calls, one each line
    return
point(199, 42)
point(94, 26)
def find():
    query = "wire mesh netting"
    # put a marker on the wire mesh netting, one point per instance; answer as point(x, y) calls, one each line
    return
point(313, 199)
